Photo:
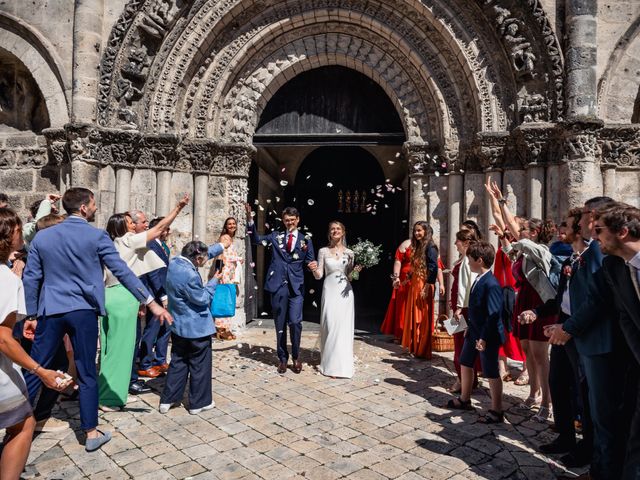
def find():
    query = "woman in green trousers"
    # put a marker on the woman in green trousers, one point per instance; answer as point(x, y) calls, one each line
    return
point(118, 326)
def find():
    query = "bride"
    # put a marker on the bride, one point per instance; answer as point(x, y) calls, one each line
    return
point(335, 263)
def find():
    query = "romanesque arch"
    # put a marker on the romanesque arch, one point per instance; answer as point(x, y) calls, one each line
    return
point(40, 59)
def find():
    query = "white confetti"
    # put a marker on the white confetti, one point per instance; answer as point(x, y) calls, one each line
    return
point(329, 184)
point(253, 264)
point(256, 202)
point(268, 200)
point(263, 314)
point(308, 177)
point(397, 154)
point(260, 323)
point(261, 208)
point(310, 202)
point(437, 174)
point(284, 183)
point(239, 345)
point(255, 288)
point(314, 304)
point(283, 169)
point(271, 273)
point(264, 243)
point(390, 162)
point(376, 380)
point(277, 199)
point(312, 291)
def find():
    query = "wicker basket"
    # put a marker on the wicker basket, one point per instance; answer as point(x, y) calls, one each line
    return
point(442, 341)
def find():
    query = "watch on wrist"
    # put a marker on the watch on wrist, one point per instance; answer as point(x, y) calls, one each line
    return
point(502, 201)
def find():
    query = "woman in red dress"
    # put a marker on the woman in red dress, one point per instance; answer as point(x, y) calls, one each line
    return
point(418, 315)
point(394, 319)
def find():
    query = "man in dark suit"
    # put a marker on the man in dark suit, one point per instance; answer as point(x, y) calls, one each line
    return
point(567, 381)
point(617, 229)
point(155, 338)
point(594, 326)
point(485, 332)
point(64, 289)
point(290, 251)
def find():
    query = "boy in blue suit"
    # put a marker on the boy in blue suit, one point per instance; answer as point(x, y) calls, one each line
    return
point(485, 332)
point(291, 250)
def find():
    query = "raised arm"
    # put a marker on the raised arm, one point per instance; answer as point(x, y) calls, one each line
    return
point(163, 224)
point(506, 215)
point(255, 237)
point(495, 206)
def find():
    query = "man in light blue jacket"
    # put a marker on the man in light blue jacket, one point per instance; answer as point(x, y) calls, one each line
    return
point(190, 305)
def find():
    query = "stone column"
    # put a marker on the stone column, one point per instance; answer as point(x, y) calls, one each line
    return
point(454, 210)
point(580, 59)
point(581, 170)
point(163, 193)
point(123, 189)
point(610, 187)
point(200, 191)
point(418, 200)
point(87, 39)
point(418, 162)
point(535, 191)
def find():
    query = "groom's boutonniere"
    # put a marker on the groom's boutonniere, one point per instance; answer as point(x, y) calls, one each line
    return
point(295, 256)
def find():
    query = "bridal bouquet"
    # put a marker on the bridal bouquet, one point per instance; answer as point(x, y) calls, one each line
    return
point(366, 254)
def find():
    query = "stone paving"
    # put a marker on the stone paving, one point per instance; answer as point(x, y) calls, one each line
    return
point(386, 422)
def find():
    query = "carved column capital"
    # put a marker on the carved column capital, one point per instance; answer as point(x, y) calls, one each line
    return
point(580, 141)
point(233, 159)
point(490, 149)
point(533, 144)
point(620, 146)
point(198, 155)
point(423, 158)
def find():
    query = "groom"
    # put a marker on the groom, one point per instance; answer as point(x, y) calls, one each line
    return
point(285, 281)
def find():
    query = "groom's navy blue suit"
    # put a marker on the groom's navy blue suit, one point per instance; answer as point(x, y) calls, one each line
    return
point(285, 283)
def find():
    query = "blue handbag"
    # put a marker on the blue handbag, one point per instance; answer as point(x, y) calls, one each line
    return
point(224, 301)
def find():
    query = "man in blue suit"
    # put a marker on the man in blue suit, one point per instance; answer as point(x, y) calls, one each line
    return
point(594, 326)
point(155, 338)
point(290, 251)
point(64, 289)
point(485, 332)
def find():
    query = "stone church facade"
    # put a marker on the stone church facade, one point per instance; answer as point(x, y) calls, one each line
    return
point(141, 99)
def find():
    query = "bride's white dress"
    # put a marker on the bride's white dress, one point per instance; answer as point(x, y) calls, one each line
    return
point(336, 314)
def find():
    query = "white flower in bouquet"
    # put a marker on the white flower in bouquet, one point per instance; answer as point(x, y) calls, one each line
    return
point(366, 254)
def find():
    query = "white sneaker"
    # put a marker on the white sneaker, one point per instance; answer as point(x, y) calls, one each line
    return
point(51, 425)
point(195, 411)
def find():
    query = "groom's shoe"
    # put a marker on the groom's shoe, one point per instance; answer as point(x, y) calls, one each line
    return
point(297, 366)
point(282, 368)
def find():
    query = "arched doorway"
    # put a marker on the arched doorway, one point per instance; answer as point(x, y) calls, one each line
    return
point(328, 143)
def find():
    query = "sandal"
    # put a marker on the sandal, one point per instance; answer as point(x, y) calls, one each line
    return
point(522, 380)
point(543, 415)
point(507, 377)
point(492, 417)
point(455, 388)
point(530, 402)
point(461, 405)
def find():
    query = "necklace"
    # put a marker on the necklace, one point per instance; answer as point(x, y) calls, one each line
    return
point(336, 251)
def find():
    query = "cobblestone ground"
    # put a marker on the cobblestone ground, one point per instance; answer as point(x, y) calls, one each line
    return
point(386, 422)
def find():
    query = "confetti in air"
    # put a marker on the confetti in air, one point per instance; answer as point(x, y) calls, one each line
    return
point(390, 162)
point(310, 202)
point(284, 183)
point(329, 184)
point(397, 154)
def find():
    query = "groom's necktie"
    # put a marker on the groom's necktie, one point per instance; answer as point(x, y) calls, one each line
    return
point(290, 242)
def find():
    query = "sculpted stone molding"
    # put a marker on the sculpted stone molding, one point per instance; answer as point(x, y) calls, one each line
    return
point(180, 33)
point(620, 146)
point(422, 158)
point(132, 149)
point(490, 149)
point(580, 141)
point(536, 59)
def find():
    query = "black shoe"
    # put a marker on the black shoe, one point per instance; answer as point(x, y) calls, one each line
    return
point(575, 459)
point(556, 446)
point(138, 387)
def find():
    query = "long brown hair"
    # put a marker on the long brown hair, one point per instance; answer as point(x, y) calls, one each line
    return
point(419, 248)
point(224, 227)
point(9, 221)
point(545, 229)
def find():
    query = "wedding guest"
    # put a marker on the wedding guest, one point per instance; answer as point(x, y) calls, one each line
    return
point(419, 312)
point(531, 265)
point(394, 318)
point(594, 325)
point(4, 200)
point(502, 269)
point(231, 274)
point(335, 263)
point(461, 280)
point(485, 332)
point(118, 326)
point(473, 226)
point(15, 411)
point(566, 377)
point(154, 340)
point(193, 326)
point(38, 210)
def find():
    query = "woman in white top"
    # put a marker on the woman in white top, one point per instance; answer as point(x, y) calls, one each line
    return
point(335, 263)
point(15, 411)
point(118, 327)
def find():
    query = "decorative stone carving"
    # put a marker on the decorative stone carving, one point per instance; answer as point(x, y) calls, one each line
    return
point(533, 144)
point(580, 146)
point(422, 158)
point(490, 149)
point(620, 146)
point(510, 28)
point(532, 108)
